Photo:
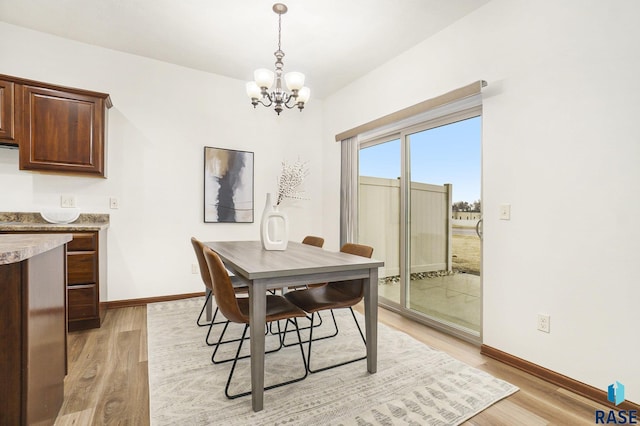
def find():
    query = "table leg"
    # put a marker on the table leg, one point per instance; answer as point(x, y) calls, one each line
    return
point(371, 319)
point(257, 315)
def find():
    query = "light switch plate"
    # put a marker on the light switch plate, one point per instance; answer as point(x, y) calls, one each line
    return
point(505, 211)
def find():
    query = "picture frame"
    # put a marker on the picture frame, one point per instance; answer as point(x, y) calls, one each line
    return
point(228, 185)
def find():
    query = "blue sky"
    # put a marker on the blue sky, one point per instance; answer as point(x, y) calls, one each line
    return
point(446, 154)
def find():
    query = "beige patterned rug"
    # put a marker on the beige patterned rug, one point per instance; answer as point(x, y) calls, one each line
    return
point(414, 385)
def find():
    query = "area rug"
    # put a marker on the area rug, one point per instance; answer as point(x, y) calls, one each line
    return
point(414, 385)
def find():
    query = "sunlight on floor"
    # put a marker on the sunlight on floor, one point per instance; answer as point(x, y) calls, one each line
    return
point(453, 298)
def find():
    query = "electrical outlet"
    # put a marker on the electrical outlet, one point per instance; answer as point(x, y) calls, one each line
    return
point(194, 268)
point(544, 323)
point(67, 201)
point(114, 203)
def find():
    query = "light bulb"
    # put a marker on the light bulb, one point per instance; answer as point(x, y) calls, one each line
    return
point(264, 78)
point(303, 95)
point(294, 80)
point(253, 91)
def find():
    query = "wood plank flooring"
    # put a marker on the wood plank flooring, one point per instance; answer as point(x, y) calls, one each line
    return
point(107, 382)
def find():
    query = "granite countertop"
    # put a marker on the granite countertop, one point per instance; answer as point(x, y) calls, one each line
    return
point(16, 248)
point(16, 221)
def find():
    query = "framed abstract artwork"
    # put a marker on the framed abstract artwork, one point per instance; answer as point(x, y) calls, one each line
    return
point(228, 185)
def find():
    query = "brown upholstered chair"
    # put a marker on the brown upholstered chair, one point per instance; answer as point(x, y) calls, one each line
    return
point(239, 287)
point(336, 295)
point(310, 240)
point(237, 310)
point(313, 241)
point(316, 242)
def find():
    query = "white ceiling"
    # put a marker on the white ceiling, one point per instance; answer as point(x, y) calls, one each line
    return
point(332, 41)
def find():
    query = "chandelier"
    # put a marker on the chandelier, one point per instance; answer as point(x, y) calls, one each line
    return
point(259, 90)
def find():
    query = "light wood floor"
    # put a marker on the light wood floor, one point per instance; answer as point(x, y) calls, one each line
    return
point(108, 377)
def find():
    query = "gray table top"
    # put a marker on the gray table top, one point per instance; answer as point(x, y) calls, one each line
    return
point(250, 260)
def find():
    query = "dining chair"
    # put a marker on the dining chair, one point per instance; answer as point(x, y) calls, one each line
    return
point(335, 295)
point(312, 240)
point(239, 288)
point(236, 310)
point(315, 241)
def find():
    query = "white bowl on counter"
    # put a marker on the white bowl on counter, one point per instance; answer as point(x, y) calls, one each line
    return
point(60, 215)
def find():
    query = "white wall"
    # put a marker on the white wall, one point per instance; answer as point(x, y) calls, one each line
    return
point(163, 116)
point(559, 134)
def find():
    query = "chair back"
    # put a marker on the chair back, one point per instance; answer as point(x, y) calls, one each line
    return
point(313, 241)
point(353, 288)
point(198, 247)
point(357, 249)
point(223, 288)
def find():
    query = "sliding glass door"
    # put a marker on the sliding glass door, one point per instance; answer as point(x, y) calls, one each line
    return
point(379, 211)
point(419, 204)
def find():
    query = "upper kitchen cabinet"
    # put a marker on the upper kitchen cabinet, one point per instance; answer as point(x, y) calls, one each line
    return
point(7, 113)
point(57, 129)
point(63, 130)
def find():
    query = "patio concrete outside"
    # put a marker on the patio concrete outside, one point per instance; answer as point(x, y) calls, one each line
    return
point(452, 298)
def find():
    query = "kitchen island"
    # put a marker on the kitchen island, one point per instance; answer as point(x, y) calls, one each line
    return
point(33, 329)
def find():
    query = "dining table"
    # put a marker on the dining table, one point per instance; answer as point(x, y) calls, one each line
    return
point(300, 264)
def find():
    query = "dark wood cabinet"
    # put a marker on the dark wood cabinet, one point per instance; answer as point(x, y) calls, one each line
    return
point(85, 261)
point(7, 113)
point(62, 131)
point(33, 339)
point(57, 129)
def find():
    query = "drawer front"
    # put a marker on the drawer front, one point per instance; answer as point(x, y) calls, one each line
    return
point(82, 302)
point(82, 242)
point(81, 268)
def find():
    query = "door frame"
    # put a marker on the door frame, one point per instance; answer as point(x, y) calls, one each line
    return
point(402, 133)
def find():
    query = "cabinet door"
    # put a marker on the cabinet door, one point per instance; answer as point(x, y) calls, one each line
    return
point(63, 131)
point(7, 111)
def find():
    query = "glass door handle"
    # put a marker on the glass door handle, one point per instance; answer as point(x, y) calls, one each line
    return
point(479, 228)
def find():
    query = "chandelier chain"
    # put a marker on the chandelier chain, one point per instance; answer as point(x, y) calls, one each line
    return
point(279, 30)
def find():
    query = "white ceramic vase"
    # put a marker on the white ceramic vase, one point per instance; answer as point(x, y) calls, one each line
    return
point(274, 227)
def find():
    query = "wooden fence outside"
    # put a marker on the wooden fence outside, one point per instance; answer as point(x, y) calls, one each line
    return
point(430, 224)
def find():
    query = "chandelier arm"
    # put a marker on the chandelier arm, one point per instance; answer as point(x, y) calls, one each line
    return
point(267, 96)
point(292, 97)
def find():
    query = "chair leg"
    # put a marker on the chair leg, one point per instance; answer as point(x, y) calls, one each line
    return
point(301, 328)
point(311, 340)
point(213, 322)
point(233, 366)
point(334, 334)
point(217, 345)
point(244, 337)
point(206, 300)
point(206, 339)
point(277, 385)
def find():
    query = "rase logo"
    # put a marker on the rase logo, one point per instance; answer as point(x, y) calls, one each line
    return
point(615, 395)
